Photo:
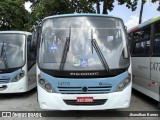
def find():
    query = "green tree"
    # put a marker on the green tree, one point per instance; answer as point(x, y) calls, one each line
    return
point(108, 5)
point(44, 8)
point(153, 1)
point(142, 5)
point(13, 15)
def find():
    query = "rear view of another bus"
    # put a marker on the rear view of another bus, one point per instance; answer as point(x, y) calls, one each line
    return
point(17, 62)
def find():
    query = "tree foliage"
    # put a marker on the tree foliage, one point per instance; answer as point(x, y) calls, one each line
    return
point(141, 9)
point(13, 15)
point(43, 8)
point(153, 1)
point(108, 5)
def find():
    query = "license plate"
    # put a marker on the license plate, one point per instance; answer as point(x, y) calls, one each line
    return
point(84, 99)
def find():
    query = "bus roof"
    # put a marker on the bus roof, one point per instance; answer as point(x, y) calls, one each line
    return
point(78, 14)
point(16, 32)
point(150, 21)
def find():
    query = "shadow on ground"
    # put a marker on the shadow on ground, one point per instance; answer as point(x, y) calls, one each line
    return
point(146, 99)
point(18, 95)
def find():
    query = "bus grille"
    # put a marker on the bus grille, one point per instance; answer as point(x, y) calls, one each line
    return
point(95, 102)
point(4, 81)
point(91, 90)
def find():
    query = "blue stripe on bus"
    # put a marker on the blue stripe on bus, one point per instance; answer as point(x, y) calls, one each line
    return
point(8, 77)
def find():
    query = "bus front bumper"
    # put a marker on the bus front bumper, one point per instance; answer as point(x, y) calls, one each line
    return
point(55, 101)
point(14, 87)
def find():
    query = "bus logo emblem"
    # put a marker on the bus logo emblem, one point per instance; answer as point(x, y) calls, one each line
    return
point(84, 89)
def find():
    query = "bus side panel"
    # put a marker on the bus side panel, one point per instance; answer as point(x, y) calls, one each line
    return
point(144, 85)
point(141, 77)
point(141, 66)
point(155, 74)
point(155, 69)
point(32, 77)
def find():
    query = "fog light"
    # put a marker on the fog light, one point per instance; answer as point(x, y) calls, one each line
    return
point(47, 86)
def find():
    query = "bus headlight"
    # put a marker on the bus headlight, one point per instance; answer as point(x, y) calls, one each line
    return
point(48, 86)
point(122, 85)
point(41, 81)
point(45, 85)
point(19, 76)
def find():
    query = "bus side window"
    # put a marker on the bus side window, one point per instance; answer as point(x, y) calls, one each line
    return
point(137, 48)
point(156, 41)
point(142, 41)
point(31, 50)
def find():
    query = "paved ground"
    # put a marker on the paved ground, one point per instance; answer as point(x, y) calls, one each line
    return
point(28, 102)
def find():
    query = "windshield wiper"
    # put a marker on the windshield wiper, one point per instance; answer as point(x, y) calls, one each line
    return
point(65, 51)
point(99, 52)
point(3, 56)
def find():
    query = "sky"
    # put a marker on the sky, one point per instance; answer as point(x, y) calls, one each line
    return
point(129, 17)
point(27, 6)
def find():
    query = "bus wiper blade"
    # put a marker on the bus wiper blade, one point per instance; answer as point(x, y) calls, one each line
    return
point(99, 53)
point(65, 51)
point(2, 49)
point(4, 57)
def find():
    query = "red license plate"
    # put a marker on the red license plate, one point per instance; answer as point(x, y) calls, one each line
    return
point(84, 99)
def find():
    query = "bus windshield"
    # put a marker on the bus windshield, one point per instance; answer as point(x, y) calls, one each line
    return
point(93, 43)
point(12, 48)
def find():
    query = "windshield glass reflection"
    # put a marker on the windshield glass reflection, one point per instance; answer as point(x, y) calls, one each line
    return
point(109, 35)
